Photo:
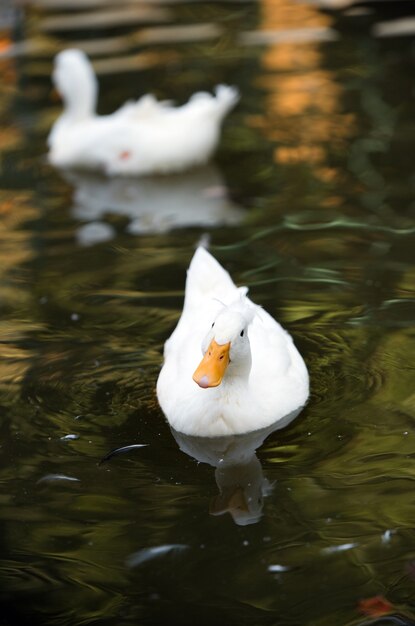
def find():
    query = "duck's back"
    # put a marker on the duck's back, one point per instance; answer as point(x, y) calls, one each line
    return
point(143, 137)
point(208, 288)
point(206, 279)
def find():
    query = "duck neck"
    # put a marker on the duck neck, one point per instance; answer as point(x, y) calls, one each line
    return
point(238, 372)
point(80, 103)
point(77, 85)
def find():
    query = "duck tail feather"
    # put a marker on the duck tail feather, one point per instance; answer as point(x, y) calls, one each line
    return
point(227, 97)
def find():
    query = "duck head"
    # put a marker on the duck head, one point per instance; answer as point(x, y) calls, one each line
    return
point(76, 83)
point(226, 348)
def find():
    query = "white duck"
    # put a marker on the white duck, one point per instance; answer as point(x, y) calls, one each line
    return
point(251, 374)
point(140, 138)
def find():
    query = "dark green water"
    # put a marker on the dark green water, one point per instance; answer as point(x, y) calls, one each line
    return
point(312, 206)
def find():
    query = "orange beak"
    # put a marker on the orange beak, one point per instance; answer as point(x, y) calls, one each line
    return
point(213, 365)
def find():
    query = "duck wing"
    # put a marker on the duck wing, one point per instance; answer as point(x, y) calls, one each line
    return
point(200, 105)
point(145, 109)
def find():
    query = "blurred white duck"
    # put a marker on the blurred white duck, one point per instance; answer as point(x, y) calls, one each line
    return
point(251, 374)
point(140, 138)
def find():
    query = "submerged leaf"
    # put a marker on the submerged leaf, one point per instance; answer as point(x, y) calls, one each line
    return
point(376, 606)
point(148, 554)
point(50, 478)
point(121, 450)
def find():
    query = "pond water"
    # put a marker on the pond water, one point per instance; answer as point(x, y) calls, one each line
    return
point(310, 203)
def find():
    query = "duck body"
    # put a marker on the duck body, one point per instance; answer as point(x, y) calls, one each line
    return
point(262, 377)
point(141, 138)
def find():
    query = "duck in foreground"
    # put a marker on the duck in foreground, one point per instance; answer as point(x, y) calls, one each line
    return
point(250, 376)
point(142, 137)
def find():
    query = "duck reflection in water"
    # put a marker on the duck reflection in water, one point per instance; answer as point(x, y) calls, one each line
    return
point(238, 474)
point(152, 204)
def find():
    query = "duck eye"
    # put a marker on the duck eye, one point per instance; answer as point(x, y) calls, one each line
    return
point(213, 324)
point(242, 333)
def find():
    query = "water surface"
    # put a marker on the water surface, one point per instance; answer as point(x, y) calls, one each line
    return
point(310, 202)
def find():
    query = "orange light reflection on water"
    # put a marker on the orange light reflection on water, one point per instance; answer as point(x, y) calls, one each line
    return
point(304, 112)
